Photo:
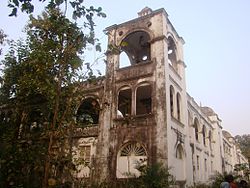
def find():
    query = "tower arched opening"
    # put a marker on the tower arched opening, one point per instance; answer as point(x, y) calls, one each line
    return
point(137, 47)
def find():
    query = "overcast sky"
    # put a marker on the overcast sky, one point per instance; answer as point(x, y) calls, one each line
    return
point(216, 50)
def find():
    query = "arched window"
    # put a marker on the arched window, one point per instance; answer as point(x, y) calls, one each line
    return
point(180, 163)
point(179, 152)
point(196, 130)
point(88, 112)
point(143, 99)
point(129, 158)
point(210, 139)
point(178, 101)
point(204, 134)
point(124, 102)
point(137, 47)
point(172, 100)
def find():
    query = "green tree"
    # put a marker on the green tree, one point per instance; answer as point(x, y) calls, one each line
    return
point(2, 39)
point(38, 95)
point(244, 143)
point(79, 10)
point(155, 176)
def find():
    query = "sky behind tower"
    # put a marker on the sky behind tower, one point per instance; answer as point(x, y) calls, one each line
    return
point(216, 50)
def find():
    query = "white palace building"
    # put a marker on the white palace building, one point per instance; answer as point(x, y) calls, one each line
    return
point(141, 111)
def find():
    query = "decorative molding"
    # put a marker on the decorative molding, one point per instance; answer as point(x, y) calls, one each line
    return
point(178, 122)
point(180, 137)
point(86, 132)
point(86, 141)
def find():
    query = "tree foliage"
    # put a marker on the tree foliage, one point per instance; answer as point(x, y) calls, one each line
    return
point(2, 39)
point(79, 9)
point(244, 143)
point(155, 176)
point(38, 98)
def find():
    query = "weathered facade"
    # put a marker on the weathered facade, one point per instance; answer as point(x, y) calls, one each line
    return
point(141, 112)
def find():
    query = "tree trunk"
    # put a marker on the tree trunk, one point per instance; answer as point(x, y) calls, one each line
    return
point(51, 135)
point(47, 162)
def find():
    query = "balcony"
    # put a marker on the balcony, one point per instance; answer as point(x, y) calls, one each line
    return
point(134, 121)
point(135, 71)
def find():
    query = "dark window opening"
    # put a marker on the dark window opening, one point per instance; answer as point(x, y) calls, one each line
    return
point(143, 100)
point(204, 134)
point(178, 101)
point(210, 139)
point(205, 164)
point(35, 119)
point(124, 102)
point(172, 100)
point(196, 129)
point(88, 112)
point(137, 47)
point(198, 162)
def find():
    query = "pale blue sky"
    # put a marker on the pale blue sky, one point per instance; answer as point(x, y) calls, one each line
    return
point(217, 36)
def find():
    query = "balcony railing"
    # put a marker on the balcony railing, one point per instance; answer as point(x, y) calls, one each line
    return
point(87, 131)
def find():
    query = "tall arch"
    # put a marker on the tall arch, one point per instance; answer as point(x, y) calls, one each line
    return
point(88, 112)
point(129, 157)
point(178, 106)
point(180, 163)
point(124, 102)
point(172, 94)
point(210, 139)
point(136, 46)
point(196, 129)
point(204, 134)
point(143, 99)
point(179, 152)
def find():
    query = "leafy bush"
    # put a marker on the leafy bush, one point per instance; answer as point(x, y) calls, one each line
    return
point(154, 176)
